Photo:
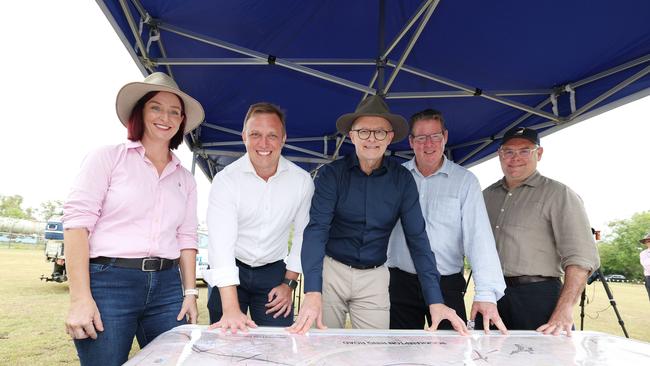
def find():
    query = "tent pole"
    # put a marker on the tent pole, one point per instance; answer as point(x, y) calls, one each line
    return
point(258, 55)
point(381, 40)
point(409, 46)
point(414, 18)
point(136, 35)
point(610, 92)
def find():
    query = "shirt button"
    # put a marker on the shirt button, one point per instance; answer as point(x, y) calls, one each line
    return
point(509, 194)
point(497, 226)
point(502, 210)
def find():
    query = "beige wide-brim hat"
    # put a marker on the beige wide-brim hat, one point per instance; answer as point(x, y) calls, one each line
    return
point(374, 106)
point(647, 237)
point(130, 93)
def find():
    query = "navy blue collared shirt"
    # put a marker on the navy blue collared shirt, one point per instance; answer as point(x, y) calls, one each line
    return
point(352, 215)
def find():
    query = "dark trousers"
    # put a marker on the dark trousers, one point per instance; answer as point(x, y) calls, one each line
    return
point(407, 306)
point(527, 307)
point(255, 283)
point(647, 285)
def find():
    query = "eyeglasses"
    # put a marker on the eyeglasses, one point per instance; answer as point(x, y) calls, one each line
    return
point(421, 139)
point(521, 153)
point(364, 134)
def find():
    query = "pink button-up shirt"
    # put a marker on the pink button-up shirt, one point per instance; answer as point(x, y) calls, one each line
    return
point(645, 261)
point(130, 211)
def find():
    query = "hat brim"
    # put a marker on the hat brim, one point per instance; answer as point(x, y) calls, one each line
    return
point(130, 93)
point(400, 127)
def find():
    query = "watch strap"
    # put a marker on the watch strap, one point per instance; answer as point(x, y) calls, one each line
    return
point(291, 283)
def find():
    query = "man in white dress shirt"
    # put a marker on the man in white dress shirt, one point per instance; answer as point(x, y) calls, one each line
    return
point(254, 202)
point(457, 225)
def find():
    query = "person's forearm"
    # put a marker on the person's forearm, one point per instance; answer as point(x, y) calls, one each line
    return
point(187, 263)
point(575, 278)
point(76, 262)
point(229, 299)
point(291, 275)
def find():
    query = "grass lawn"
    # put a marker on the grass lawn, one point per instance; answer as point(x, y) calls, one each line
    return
point(32, 312)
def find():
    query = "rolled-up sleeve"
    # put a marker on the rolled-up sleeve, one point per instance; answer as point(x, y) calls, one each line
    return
point(574, 241)
point(299, 224)
point(222, 233)
point(186, 233)
point(83, 207)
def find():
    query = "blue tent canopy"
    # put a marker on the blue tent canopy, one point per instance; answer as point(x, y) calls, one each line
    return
point(488, 65)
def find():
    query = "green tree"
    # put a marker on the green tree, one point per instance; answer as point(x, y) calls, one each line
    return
point(11, 206)
point(50, 208)
point(619, 252)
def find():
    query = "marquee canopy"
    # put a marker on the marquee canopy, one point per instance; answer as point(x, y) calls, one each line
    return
point(487, 65)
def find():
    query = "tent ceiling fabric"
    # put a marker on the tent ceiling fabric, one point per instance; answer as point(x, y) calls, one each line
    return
point(487, 66)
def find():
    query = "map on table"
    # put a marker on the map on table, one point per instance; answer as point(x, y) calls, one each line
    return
point(195, 345)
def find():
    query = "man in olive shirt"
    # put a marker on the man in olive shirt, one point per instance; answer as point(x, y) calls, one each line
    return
point(542, 232)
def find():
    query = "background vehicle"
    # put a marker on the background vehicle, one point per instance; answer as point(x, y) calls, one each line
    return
point(54, 250)
point(202, 255)
point(615, 277)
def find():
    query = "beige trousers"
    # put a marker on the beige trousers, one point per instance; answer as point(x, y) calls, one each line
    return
point(363, 293)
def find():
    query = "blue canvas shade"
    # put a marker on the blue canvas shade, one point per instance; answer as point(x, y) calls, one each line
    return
point(487, 65)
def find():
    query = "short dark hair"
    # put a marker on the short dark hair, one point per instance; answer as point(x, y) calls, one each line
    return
point(265, 107)
point(427, 114)
point(135, 126)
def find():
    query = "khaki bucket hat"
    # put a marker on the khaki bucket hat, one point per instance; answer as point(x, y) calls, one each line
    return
point(130, 93)
point(374, 106)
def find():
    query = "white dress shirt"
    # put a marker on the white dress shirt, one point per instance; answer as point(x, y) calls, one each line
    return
point(250, 219)
point(457, 225)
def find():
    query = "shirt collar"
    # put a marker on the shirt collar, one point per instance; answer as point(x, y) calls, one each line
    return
point(445, 168)
point(137, 145)
point(352, 160)
point(532, 181)
point(247, 165)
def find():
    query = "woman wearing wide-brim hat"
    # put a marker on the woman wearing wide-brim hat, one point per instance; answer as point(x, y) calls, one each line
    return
point(131, 228)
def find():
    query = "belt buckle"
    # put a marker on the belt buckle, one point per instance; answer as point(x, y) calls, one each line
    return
point(155, 268)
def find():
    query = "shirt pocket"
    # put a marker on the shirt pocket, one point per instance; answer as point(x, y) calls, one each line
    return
point(443, 213)
point(529, 216)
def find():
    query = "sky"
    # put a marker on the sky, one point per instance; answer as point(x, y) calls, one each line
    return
point(61, 76)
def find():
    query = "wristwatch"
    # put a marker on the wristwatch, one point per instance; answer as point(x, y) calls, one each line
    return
point(191, 291)
point(291, 283)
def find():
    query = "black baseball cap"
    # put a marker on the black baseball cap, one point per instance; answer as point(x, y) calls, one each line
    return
point(521, 132)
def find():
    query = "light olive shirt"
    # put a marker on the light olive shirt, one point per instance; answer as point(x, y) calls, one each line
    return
point(540, 228)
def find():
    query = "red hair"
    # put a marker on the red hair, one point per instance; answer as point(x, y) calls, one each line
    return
point(135, 126)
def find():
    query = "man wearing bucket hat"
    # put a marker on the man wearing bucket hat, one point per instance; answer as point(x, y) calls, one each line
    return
point(130, 225)
point(644, 256)
point(357, 201)
point(254, 202)
point(542, 232)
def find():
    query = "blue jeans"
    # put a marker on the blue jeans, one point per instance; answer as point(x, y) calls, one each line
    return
point(253, 293)
point(131, 303)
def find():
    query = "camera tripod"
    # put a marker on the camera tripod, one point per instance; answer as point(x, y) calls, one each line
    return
point(598, 274)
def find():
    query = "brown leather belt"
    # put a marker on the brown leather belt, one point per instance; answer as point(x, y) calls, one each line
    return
point(523, 280)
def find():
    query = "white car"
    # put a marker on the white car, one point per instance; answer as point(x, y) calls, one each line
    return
point(202, 255)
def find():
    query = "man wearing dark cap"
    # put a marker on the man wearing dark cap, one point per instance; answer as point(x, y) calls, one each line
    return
point(357, 201)
point(542, 232)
